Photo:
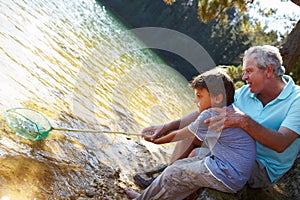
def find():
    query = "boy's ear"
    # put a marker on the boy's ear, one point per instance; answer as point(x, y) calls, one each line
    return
point(218, 99)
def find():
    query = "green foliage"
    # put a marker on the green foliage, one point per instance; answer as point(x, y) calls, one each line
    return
point(211, 9)
point(238, 84)
point(236, 73)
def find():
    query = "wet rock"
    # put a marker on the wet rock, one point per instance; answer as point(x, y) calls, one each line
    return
point(245, 194)
point(90, 192)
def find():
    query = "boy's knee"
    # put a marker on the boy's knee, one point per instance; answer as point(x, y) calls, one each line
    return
point(171, 174)
point(174, 179)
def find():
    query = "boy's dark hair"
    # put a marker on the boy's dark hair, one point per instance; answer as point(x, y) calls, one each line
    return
point(216, 81)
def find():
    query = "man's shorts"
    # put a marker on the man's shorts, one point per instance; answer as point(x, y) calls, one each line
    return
point(259, 177)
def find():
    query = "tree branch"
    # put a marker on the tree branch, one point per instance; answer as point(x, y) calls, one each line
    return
point(297, 2)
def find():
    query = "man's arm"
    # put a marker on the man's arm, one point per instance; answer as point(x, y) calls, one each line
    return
point(276, 140)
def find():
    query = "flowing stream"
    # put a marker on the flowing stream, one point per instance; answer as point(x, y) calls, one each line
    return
point(77, 64)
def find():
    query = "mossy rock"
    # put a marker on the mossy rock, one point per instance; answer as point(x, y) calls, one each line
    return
point(245, 194)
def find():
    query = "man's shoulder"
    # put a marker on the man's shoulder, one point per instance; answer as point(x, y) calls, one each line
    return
point(295, 89)
point(243, 91)
point(294, 92)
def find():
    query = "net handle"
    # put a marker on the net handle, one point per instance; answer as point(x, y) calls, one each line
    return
point(95, 131)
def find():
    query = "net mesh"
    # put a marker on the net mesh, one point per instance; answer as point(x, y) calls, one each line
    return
point(28, 123)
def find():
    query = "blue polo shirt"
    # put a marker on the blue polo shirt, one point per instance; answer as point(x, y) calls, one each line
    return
point(282, 111)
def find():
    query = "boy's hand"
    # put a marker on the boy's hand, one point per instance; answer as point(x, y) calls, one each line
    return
point(153, 132)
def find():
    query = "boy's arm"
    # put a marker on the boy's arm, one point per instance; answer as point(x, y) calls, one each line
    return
point(154, 132)
point(175, 136)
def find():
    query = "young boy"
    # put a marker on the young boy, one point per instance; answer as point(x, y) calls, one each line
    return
point(232, 152)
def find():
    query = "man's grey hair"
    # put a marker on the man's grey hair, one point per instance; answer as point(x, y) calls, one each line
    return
point(265, 56)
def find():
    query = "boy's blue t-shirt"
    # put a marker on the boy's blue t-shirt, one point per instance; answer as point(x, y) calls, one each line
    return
point(282, 111)
point(232, 152)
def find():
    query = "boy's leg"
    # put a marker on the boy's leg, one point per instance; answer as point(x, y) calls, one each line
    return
point(156, 170)
point(181, 179)
point(201, 152)
point(184, 148)
point(145, 182)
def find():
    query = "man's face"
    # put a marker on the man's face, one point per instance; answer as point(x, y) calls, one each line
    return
point(202, 99)
point(254, 76)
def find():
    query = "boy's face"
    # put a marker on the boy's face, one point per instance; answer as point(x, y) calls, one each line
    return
point(202, 99)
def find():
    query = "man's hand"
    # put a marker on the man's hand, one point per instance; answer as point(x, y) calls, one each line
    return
point(228, 117)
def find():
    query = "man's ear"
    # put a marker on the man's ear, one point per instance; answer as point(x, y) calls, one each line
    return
point(270, 71)
point(218, 99)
